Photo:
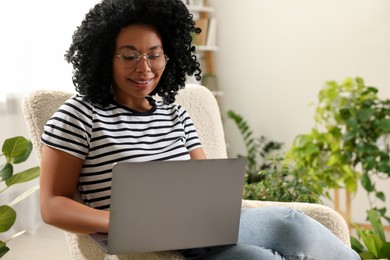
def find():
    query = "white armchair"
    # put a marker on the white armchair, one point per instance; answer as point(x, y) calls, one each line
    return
point(39, 106)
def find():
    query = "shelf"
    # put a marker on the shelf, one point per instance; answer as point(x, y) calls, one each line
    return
point(206, 48)
point(200, 8)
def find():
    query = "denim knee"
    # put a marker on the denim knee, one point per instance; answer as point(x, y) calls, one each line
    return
point(265, 225)
point(291, 233)
point(242, 251)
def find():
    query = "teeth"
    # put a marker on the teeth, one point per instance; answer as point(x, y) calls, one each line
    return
point(140, 82)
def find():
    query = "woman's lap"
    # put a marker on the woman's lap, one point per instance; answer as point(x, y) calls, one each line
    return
point(267, 233)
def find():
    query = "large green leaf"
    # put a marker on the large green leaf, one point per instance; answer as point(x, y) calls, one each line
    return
point(23, 176)
point(7, 217)
point(375, 220)
point(25, 156)
point(15, 148)
point(370, 241)
point(6, 171)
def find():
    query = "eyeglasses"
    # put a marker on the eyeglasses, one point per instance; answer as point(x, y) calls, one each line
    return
point(130, 59)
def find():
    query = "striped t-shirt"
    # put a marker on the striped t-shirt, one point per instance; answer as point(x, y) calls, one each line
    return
point(103, 136)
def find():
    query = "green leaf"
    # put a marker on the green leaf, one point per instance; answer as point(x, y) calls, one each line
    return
point(23, 176)
point(367, 255)
point(366, 183)
point(311, 149)
point(370, 240)
point(350, 184)
point(345, 113)
point(15, 148)
point(374, 218)
point(356, 245)
point(25, 156)
point(352, 122)
point(384, 166)
point(370, 90)
point(385, 250)
point(369, 163)
point(6, 171)
point(364, 115)
point(3, 249)
point(350, 135)
point(380, 195)
point(7, 217)
point(384, 125)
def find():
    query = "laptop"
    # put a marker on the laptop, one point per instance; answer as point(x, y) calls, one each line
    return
point(172, 205)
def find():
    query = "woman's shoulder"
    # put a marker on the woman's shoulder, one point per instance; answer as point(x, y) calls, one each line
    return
point(81, 103)
point(80, 107)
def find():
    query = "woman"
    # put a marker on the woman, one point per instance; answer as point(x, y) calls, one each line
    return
point(125, 52)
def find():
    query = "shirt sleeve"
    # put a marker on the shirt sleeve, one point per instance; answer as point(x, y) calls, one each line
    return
point(69, 129)
point(192, 138)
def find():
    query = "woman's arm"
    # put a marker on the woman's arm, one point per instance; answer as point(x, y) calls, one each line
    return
point(59, 176)
point(198, 154)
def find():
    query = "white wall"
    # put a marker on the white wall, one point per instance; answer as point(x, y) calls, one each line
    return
point(275, 55)
point(34, 37)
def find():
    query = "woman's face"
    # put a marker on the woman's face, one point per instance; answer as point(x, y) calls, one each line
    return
point(138, 64)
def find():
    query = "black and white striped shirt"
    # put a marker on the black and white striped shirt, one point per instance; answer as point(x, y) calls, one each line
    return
point(103, 136)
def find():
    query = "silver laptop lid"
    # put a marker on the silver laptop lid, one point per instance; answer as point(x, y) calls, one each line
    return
point(169, 205)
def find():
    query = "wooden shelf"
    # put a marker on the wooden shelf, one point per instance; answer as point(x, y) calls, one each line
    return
point(206, 44)
point(200, 8)
point(206, 48)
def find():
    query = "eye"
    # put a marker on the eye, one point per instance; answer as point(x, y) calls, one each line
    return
point(155, 55)
point(130, 56)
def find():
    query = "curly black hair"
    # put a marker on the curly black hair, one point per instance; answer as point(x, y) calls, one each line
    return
point(93, 45)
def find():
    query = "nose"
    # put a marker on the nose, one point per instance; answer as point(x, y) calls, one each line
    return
point(143, 64)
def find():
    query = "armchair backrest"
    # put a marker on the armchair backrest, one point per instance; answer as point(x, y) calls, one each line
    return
point(38, 106)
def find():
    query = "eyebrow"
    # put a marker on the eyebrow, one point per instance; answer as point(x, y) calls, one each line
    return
point(131, 47)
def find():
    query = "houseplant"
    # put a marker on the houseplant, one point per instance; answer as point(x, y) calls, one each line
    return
point(350, 140)
point(349, 144)
point(15, 150)
point(267, 176)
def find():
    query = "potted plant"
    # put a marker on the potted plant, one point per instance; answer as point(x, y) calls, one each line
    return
point(15, 150)
point(267, 176)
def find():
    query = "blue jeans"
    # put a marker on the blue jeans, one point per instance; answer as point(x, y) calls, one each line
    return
point(277, 233)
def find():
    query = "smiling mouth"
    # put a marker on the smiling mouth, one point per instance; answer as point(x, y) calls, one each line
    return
point(141, 82)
